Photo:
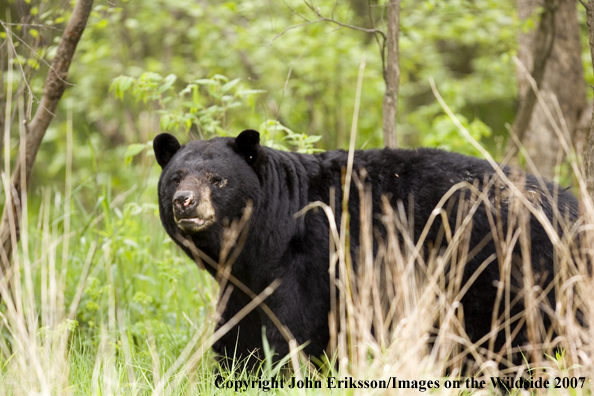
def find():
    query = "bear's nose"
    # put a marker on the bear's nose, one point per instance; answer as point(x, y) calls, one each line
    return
point(184, 200)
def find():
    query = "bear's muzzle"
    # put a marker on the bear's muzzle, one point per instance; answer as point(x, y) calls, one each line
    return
point(192, 209)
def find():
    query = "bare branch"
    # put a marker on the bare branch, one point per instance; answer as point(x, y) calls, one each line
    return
point(41, 58)
point(293, 27)
point(9, 39)
point(295, 11)
point(322, 18)
point(361, 29)
point(36, 25)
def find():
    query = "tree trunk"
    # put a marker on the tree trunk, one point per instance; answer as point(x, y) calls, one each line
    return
point(54, 87)
point(391, 75)
point(589, 151)
point(562, 76)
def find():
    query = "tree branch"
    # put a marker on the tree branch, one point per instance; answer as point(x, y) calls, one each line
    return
point(322, 18)
point(54, 87)
point(361, 29)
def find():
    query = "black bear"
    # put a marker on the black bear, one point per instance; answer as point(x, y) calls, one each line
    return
point(206, 184)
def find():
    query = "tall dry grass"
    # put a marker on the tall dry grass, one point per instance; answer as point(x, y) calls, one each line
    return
point(400, 313)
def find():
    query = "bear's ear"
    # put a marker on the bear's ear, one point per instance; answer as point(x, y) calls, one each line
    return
point(165, 147)
point(247, 143)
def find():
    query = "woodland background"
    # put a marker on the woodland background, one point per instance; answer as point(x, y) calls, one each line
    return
point(297, 64)
point(101, 270)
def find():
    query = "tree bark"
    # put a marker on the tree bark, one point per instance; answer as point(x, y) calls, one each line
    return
point(589, 151)
point(391, 76)
point(542, 44)
point(54, 87)
point(552, 53)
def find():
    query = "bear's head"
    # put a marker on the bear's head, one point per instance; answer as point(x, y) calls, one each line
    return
point(205, 182)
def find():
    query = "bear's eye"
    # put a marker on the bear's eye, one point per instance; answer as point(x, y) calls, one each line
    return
point(216, 180)
point(176, 179)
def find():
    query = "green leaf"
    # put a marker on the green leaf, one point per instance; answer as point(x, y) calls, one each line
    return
point(205, 81)
point(230, 85)
point(151, 77)
point(189, 89)
point(313, 139)
point(220, 77)
point(165, 121)
point(195, 94)
point(134, 149)
point(169, 80)
point(120, 85)
point(243, 92)
point(126, 83)
point(33, 63)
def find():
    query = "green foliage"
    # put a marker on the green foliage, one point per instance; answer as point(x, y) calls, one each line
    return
point(152, 281)
point(186, 109)
point(271, 132)
point(202, 104)
point(304, 77)
point(447, 135)
point(466, 47)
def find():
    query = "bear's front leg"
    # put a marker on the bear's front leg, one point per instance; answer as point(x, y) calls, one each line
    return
point(303, 310)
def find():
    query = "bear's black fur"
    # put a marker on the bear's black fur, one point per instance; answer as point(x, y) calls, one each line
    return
point(205, 184)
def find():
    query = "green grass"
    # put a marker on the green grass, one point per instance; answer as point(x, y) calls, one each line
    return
point(141, 297)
